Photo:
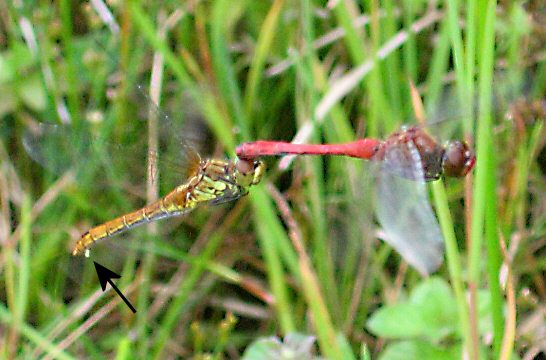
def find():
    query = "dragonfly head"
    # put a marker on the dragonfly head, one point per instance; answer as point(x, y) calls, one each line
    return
point(249, 172)
point(458, 159)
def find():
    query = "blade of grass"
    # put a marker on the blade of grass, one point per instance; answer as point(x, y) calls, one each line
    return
point(175, 310)
point(70, 57)
point(452, 254)
point(322, 323)
point(152, 194)
point(484, 170)
point(470, 41)
point(347, 82)
point(224, 329)
point(438, 67)
point(223, 272)
point(455, 34)
point(120, 105)
point(123, 350)
point(392, 63)
point(11, 299)
point(273, 241)
point(255, 74)
point(353, 37)
point(310, 284)
point(463, 91)
point(494, 256)
point(361, 49)
point(409, 50)
point(205, 101)
point(223, 67)
point(507, 346)
point(307, 95)
point(24, 263)
point(33, 335)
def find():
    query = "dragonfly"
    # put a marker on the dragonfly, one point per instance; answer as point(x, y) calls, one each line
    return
point(405, 161)
point(213, 182)
point(208, 181)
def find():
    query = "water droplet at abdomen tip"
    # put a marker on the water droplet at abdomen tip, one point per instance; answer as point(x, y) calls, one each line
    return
point(87, 253)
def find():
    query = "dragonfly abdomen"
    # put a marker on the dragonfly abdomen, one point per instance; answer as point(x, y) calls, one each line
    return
point(173, 204)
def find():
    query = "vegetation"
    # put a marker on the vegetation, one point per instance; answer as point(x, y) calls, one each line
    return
point(295, 270)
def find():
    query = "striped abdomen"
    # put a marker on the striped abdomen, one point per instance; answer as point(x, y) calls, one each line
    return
point(175, 203)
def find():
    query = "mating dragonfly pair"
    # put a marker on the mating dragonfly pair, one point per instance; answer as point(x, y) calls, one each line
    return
point(406, 160)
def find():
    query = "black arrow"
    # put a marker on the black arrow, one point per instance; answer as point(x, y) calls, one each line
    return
point(105, 276)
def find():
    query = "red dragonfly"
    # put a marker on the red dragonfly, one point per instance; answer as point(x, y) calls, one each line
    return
point(406, 160)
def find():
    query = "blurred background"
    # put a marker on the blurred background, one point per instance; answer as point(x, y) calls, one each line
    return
point(295, 270)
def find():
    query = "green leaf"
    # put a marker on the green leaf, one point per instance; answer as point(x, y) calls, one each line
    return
point(294, 347)
point(437, 307)
point(430, 312)
point(21, 58)
point(346, 350)
point(397, 321)
point(31, 92)
point(409, 350)
point(7, 72)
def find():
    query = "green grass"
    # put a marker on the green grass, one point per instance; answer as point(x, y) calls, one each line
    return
point(300, 253)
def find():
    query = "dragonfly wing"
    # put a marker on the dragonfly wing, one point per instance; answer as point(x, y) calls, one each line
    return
point(55, 147)
point(111, 156)
point(103, 159)
point(59, 148)
point(228, 195)
point(404, 211)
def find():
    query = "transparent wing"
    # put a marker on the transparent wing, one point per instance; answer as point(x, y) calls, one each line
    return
point(228, 196)
point(107, 154)
point(404, 212)
point(445, 109)
point(111, 160)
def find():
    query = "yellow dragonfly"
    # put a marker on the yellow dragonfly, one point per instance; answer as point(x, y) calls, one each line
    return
point(213, 182)
point(207, 182)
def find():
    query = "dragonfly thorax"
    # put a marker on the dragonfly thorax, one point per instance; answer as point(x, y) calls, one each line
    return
point(412, 154)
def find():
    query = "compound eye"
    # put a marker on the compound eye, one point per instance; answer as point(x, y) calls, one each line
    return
point(459, 159)
point(259, 169)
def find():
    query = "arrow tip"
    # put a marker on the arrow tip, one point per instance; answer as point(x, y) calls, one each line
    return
point(104, 275)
